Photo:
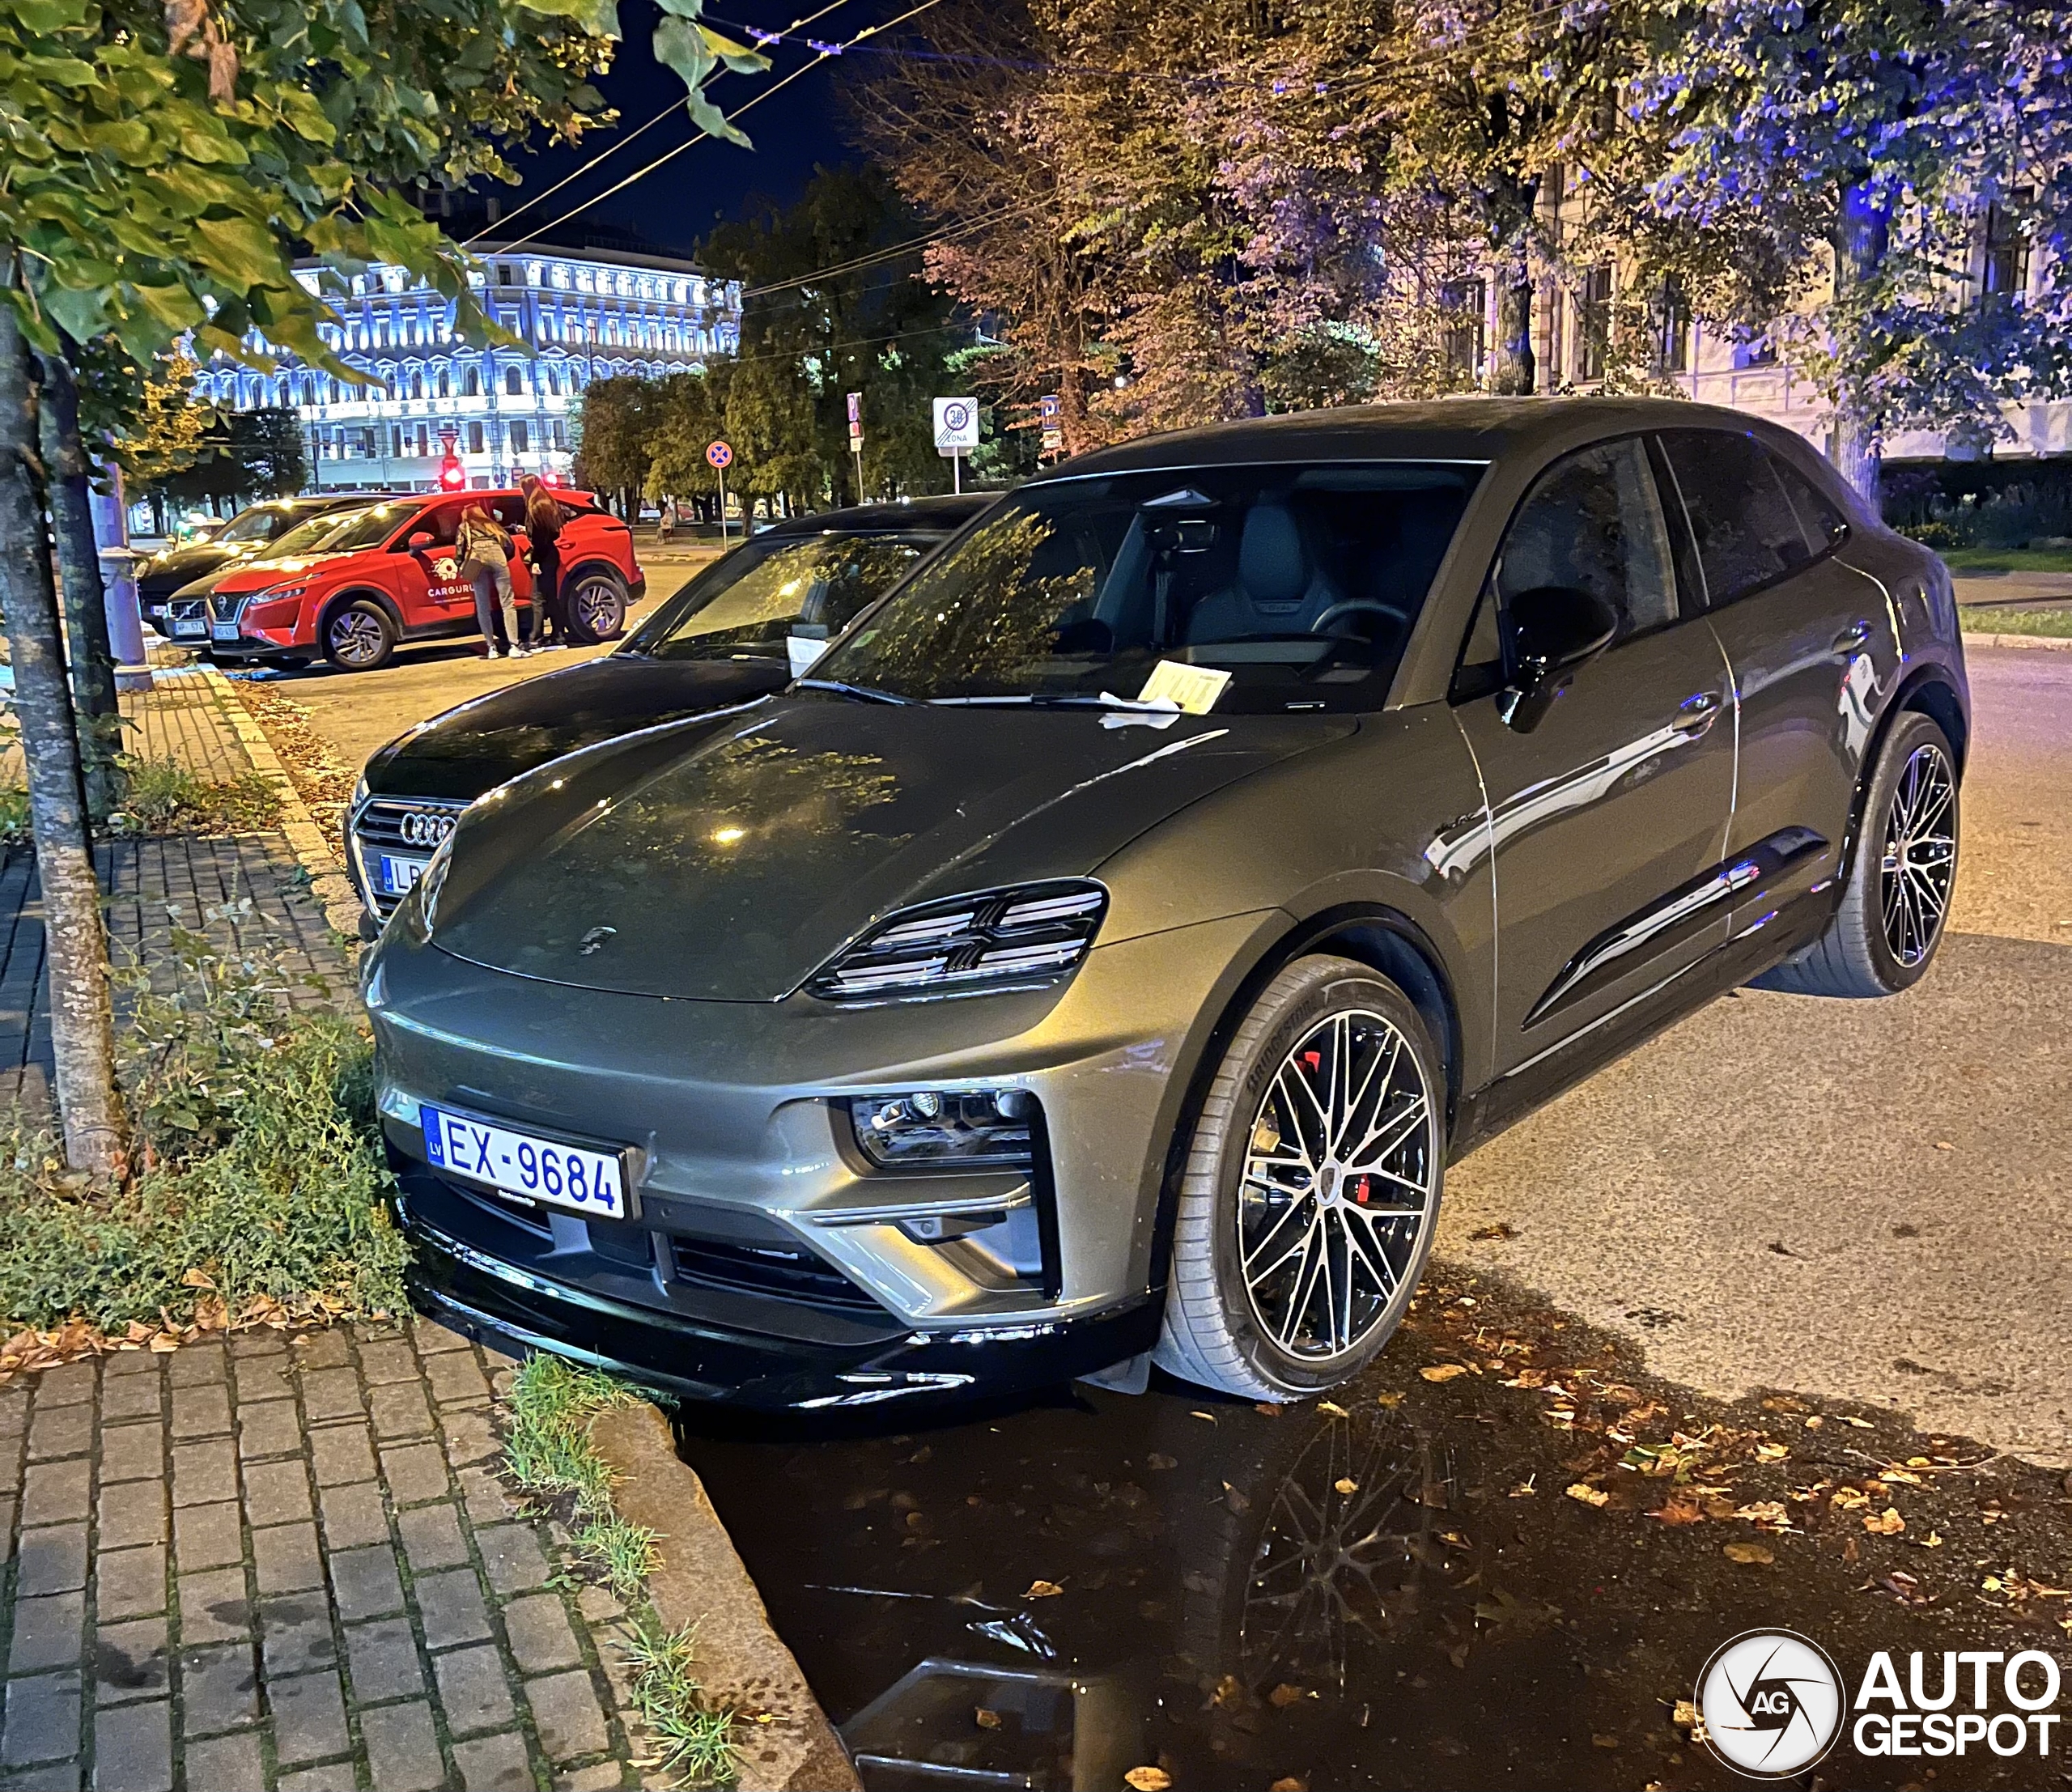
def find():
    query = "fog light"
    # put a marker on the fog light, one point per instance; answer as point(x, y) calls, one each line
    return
point(946, 1128)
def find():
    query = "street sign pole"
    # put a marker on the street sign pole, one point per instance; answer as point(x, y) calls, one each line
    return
point(719, 455)
point(957, 433)
point(856, 439)
point(723, 505)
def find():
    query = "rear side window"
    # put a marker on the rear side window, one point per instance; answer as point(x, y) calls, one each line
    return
point(1819, 515)
point(1747, 530)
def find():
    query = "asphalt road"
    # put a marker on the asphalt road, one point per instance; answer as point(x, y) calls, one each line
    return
point(358, 712)
point(1862, 1200)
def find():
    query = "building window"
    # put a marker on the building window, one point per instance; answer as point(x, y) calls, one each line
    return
point(1674, 350)
point(514, 382)
point(1593, 322)
point(471, 385)
point(417, 385)
point(520, 437)
point(1755, 351)
point(445, 384)
point(475, 436)
point(424, 441)
point(2006, 269)
point(1467, 303)
point(554, 381)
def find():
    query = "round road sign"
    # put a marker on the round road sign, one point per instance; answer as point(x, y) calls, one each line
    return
point(719, 455)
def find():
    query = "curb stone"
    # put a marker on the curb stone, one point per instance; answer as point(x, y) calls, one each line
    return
point(702, 1582)
point(310, 844)
point(2059, 643)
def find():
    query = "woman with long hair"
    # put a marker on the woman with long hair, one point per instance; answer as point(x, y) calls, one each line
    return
point(484, 550)
point(543, 522)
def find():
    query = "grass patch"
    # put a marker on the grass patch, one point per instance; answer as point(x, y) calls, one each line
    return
point(2024, 559)
point(2056, 623)
point(548, 1451)
point(259, 1186)
point(163, 797)
point(695, 1742)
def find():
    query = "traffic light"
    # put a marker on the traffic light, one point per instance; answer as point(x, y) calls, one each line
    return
point(452, 476)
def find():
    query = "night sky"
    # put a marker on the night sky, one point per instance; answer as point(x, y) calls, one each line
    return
point(677, 204)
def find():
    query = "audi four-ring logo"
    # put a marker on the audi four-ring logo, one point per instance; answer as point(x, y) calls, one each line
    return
point(426, 827)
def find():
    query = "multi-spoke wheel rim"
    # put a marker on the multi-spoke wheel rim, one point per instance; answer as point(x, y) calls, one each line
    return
point(356, 638)
point(1920, 860)
point(593, 608)
point(1339, 1166)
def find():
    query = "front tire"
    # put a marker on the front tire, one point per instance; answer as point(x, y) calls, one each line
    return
point(1889, 923)
point(1311, 1187)
point(358, 636)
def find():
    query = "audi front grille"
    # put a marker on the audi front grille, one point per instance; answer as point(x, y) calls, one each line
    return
point(396, 824)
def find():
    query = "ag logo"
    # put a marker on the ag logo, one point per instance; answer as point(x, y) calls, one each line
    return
point(1772, 1703)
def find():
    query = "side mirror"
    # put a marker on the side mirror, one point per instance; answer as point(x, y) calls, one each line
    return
point(421, 541)
point(1550, 632)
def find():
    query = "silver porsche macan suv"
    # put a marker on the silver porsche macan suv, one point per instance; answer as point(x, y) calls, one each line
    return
point(1097, 957)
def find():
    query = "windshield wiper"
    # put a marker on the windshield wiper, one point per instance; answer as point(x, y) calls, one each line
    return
point(862, 693)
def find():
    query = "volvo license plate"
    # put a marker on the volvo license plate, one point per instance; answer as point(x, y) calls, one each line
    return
point(521, 1163)
point(399, 876)
point(188, 628)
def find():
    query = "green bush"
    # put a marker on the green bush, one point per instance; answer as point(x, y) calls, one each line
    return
point(259, 1175)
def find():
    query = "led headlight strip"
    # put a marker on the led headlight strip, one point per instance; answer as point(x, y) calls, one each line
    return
point(1001, 939)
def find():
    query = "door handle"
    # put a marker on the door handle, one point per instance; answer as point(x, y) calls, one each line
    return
point(1698, 712)
point(1854, 636)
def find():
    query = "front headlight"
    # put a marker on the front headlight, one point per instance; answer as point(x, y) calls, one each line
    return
point(359, 794)
point(1023, 938)
point(274, 594)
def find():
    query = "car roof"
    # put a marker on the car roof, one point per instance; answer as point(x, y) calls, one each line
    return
point(1469, 428)
point(937, 515)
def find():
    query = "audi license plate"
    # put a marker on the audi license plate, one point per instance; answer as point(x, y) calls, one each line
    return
point(188, 628)
point(223, 631)
point(399, 877)
point(519, 1163)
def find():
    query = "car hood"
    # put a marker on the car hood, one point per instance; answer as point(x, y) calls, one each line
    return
point(478, 745)
point(258, 574)
point(176, 565)
point(730, 864)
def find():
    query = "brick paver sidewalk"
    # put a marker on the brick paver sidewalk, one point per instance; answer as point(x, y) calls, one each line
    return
point(286, 1564)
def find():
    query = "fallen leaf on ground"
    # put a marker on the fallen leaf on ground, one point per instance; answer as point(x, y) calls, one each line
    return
point(1680, 1510)
point(1887, 1523)
point(1747, 1553)
point(1345, 1484)
point(1861, 1424)
point(1229, 1690)
point(1388, 1399)
point(1042, 1590)
point(1333, 1409)
point(1525, 1489)
point(1589, 1494)
point(1159, 1459)
point(1148, 1779)
point(1283, 1694)
point(1604, 1742)
point(1197, 1413)
point(1772, 1452)
point(1443, 1372)
point(1503, 1229)
point(1764, 1512)
point(987, 1720)
point(1289, 1784)
point(1846, 1498)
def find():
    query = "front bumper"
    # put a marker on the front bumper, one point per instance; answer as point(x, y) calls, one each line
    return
point(699, 1355)
point(738, 1110)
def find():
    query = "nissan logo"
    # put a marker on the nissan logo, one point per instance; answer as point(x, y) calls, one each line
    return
point(425, 827)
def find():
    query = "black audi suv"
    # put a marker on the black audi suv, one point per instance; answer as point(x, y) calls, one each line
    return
point(741, 629)
point(1097, 955)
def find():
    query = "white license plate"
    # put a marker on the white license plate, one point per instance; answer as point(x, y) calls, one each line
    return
point(223, 631)
point(188, 628)
point(399, 877)
point(540, 1170)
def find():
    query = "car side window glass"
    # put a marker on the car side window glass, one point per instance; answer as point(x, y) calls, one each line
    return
point(1594, 522)
point(1819, 515)
point(1748, 533)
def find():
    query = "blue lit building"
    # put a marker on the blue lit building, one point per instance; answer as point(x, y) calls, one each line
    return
point(582, 317)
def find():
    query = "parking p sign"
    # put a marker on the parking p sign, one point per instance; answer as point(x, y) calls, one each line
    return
point(956, 425)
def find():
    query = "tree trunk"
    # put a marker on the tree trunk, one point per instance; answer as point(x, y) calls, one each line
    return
point(1862, 232)
point(79, 584)
point(82, 1017)
point(1512, 367)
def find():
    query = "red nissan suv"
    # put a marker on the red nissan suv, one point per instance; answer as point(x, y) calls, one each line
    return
point(387, 574)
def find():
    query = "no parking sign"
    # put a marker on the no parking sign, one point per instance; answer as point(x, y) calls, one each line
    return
point(720, 456)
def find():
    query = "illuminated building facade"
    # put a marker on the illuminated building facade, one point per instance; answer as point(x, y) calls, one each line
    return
point(507, 411)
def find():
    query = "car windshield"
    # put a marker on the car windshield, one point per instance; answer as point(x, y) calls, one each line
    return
point(253, 525)
point(1301, 583)
point(747, 604)
point(372, 527)
point(313, 534)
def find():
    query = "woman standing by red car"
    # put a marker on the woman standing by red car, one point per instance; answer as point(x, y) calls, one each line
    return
point(543, 521)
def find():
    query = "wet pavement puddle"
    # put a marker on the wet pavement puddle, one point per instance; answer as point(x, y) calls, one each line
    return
point(1501, 1558)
